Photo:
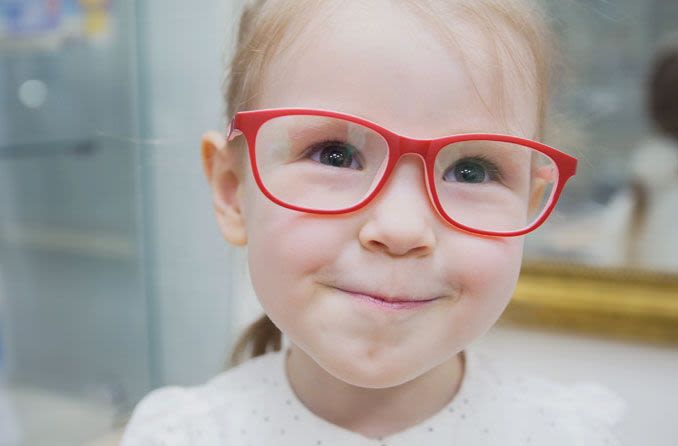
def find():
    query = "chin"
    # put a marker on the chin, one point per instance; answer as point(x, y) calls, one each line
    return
point(369, 374)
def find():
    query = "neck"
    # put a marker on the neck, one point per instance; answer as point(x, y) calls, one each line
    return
point(373, 412)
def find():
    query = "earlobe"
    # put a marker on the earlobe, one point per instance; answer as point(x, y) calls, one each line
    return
point(225, 181)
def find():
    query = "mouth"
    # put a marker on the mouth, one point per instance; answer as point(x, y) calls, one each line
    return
point(397, 303)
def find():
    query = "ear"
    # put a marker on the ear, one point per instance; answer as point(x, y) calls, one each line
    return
point(541, 178)
point(536, 196)
point(222, 169)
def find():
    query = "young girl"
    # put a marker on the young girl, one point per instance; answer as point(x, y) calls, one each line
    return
point(381, 166)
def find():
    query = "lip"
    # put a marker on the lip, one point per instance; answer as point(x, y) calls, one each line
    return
point(388, 303)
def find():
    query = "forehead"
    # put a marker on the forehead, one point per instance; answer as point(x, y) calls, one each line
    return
point(376, 60)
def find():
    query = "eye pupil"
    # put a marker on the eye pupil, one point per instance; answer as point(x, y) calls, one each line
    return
point(336, 156)
point(469, 172)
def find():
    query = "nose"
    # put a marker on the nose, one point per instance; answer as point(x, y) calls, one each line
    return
point(400, 218)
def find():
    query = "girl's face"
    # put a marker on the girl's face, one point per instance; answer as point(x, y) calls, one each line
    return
point(374, 60)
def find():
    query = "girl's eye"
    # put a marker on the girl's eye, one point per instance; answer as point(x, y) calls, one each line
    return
point(472, 170)
point(335, 154)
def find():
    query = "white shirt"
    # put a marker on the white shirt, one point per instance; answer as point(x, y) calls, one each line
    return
point(253, 404)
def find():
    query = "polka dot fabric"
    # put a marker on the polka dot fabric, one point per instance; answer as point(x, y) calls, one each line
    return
point(254, 405)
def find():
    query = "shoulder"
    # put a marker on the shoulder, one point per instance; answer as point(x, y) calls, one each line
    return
point(177, 415)
point(576, 413)
point(163, 417)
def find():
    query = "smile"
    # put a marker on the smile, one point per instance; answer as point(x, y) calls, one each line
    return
point(388, 303)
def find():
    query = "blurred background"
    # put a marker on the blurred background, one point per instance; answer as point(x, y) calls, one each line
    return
point(114, 279)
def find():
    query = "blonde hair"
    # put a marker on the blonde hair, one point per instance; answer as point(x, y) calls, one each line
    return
point(266, 26)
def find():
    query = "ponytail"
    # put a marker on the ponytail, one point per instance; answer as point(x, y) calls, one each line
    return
point(262, 335)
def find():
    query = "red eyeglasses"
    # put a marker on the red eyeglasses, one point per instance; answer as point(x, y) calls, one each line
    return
point(326, 162)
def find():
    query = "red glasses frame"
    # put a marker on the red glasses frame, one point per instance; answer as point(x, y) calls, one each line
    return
point(248, 123)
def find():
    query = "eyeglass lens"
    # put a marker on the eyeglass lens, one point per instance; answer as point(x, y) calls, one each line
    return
point(328, 164)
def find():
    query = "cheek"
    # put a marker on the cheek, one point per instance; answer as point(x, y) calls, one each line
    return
point(491, 266)
point(294, 243)
point(486, 276)
point(286, 248)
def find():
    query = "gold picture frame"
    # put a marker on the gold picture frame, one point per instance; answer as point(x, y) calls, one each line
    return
point(612, 302)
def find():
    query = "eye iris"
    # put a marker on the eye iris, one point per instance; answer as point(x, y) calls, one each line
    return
point(336, 156)
point(469, 172)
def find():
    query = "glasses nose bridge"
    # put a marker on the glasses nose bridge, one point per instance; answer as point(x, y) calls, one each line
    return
point(417, 147)
point(408, 145)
